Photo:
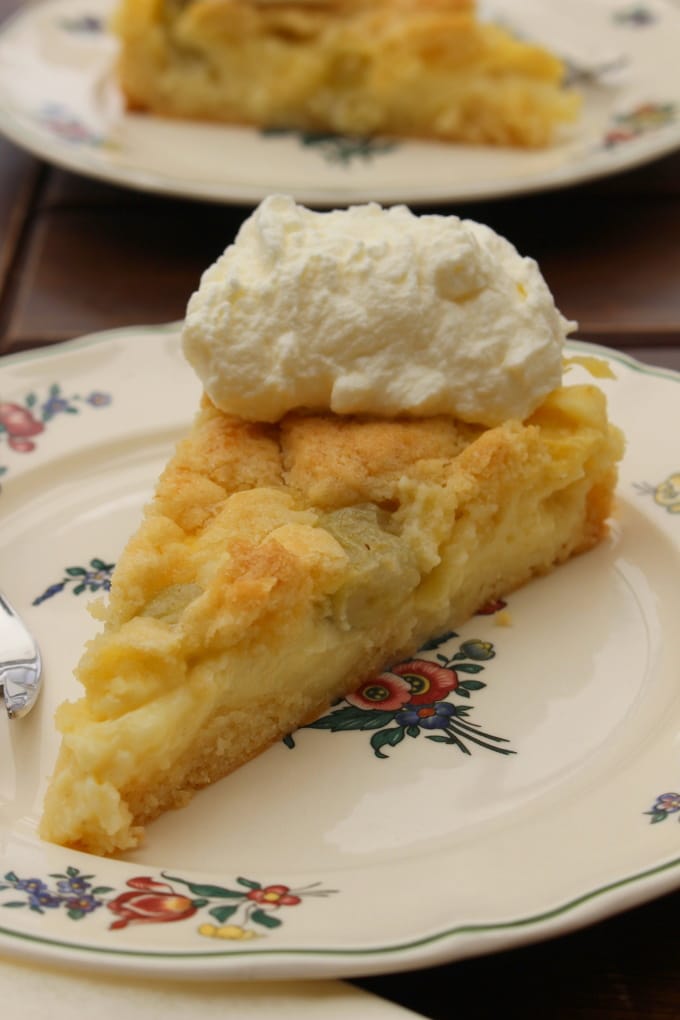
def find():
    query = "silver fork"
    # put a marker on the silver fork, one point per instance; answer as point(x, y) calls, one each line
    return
point(20, 665)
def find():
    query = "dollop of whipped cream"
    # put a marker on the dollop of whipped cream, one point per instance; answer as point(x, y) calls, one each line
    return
point(373, 311)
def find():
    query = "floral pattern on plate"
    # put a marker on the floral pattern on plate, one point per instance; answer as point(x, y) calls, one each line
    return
point(434, 854)
point(22, 422)
point(340, 150)
point(666, 494)
point(68, 127)
point(93, 578)
point(665, 805)
point(412, 698)
point(640, 120)
point(251, 909)
point(635, 15)
point(83, 24)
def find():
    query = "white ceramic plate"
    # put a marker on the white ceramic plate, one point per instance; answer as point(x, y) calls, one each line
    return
point(327, 858)
point(58, 99)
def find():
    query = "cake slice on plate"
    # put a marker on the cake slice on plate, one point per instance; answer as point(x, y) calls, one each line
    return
point(425, 68)
point(308, 535)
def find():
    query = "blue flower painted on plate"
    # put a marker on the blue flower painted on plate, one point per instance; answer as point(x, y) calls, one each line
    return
point(98, 399)
point(74, 893)
point(665, 805)
point(636, 15)
point(437, 717)
point(85, 24)
point(96, 577)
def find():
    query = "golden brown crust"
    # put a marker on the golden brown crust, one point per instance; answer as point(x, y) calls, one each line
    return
point(368, 456)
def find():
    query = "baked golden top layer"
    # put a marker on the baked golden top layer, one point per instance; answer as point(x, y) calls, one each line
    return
point(427, 68)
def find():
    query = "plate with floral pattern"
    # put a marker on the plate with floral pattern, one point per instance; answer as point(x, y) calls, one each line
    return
point(59, 100)
point(515, 779)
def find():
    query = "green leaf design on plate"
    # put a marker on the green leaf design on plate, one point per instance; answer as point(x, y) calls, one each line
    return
point(266, 920)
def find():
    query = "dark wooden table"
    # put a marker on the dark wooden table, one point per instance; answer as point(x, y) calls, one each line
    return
point(78, 256)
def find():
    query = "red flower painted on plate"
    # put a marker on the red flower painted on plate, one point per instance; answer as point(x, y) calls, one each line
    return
point(386, 692)
point(150, 902)
point(428, 681)
point(19, 424)
point(274, 896)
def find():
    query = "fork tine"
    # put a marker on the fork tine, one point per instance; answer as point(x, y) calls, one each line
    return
point(20, 663)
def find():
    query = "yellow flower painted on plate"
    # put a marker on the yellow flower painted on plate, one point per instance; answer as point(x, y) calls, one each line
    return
point(666, 494)
point(227, 931)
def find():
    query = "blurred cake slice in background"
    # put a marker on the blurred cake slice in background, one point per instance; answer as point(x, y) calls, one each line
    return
point(413, 68)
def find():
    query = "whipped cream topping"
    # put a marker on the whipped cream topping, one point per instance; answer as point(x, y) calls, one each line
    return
point(373, 311)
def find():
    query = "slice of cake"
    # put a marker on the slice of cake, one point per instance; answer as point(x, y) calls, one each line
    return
point(290, 553)
point(424, 68)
